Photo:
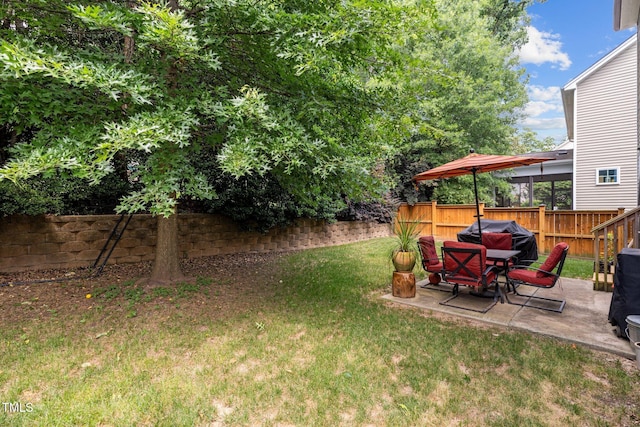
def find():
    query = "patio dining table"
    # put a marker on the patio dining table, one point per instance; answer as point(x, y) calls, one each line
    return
point(501, 257)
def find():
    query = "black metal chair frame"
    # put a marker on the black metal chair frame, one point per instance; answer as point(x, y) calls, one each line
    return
point(512, 286)
point(469, 275)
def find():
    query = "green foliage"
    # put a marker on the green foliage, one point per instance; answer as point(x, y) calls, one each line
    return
point(406, 234)
point(408, 162)
point(61, 195)
point(526, 141)
point(278, 90)
point(296, 105)
point(469, 97)
point(257, 202)
point(558, 196)
point(32, 198)
point(380, 212)
point(505, 19)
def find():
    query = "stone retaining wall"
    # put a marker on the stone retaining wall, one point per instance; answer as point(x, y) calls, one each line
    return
point(44, 242)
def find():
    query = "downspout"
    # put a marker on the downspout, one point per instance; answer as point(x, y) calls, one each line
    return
point(574, 181)
point(638, 114)
point(617, 14)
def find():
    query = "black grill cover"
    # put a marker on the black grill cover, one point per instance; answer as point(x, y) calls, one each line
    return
point(523, 239)
point(626, 289)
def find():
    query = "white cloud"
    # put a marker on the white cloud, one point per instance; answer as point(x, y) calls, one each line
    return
point(540, 123)
point(544, 113)
point(544, 47)
point(543, 93)
point(538, 108)
point(543, 100)
point(547, 127)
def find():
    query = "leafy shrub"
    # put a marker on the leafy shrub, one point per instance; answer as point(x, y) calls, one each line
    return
point(61, 196)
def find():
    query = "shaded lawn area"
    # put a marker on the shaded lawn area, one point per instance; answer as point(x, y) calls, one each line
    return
point(297, 339)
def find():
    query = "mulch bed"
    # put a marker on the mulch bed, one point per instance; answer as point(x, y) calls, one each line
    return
point(238, 283)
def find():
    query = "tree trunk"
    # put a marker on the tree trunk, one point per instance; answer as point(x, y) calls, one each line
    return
point(403, 285)
point(166, 266)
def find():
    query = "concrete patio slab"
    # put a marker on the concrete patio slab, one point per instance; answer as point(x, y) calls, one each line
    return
point(584, 320)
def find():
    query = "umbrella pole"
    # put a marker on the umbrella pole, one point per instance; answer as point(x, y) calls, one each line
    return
point(475, 190)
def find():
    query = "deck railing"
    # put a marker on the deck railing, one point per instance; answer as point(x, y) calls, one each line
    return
point(608, 240)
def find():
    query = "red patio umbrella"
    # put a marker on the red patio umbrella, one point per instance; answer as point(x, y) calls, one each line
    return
point(474, 163)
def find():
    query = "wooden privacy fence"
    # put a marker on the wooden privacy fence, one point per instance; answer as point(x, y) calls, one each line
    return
point(549, 226)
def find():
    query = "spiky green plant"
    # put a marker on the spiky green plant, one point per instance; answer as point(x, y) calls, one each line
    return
point(406, 233)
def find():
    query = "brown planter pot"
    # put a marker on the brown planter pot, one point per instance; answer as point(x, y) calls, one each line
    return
point(404, 261)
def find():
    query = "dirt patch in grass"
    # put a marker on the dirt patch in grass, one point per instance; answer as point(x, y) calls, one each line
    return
point(226, 284)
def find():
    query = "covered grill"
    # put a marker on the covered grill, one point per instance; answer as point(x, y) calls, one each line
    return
point(523, 239)
point(625, 300)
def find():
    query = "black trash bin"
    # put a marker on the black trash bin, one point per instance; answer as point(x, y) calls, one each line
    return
point(523, 239)
point(625, 300)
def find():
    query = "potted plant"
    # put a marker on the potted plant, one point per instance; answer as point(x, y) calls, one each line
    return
point(404, 253)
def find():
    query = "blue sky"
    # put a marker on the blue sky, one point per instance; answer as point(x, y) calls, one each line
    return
point(566, 37)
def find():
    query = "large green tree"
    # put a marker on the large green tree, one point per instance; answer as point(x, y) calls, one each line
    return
point(471, 97)
point(286, 89)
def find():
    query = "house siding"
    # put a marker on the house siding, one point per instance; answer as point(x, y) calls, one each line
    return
point(606, 133)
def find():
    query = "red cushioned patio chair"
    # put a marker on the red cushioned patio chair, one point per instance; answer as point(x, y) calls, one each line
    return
point(497, 240)
point(431, 263)
point(546, 276)
point(466, 264)
point(502, 241)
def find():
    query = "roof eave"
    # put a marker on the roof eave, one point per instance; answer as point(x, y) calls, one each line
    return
point(573, 84)
point(569, 90)
point(625, 14)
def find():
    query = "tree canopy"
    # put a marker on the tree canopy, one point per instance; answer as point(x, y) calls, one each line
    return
point(310, 97)
point(273, 88)
point(296, 106)
point(470, 97)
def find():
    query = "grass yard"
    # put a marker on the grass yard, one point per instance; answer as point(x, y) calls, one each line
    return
point(295, 340)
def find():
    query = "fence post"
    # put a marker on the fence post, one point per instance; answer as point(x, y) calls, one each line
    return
point(434, 215)
point(541, 230)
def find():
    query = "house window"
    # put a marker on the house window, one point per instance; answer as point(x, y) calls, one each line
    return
point(608, 176)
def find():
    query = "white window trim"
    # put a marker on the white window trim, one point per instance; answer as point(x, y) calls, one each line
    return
point(617, 169)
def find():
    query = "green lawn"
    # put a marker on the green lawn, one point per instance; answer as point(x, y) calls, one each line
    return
point(322, 350)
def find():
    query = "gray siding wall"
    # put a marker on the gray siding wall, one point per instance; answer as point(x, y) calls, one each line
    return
point(606, 134)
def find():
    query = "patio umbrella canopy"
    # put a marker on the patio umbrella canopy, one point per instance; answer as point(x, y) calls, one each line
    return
point(474, 163)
